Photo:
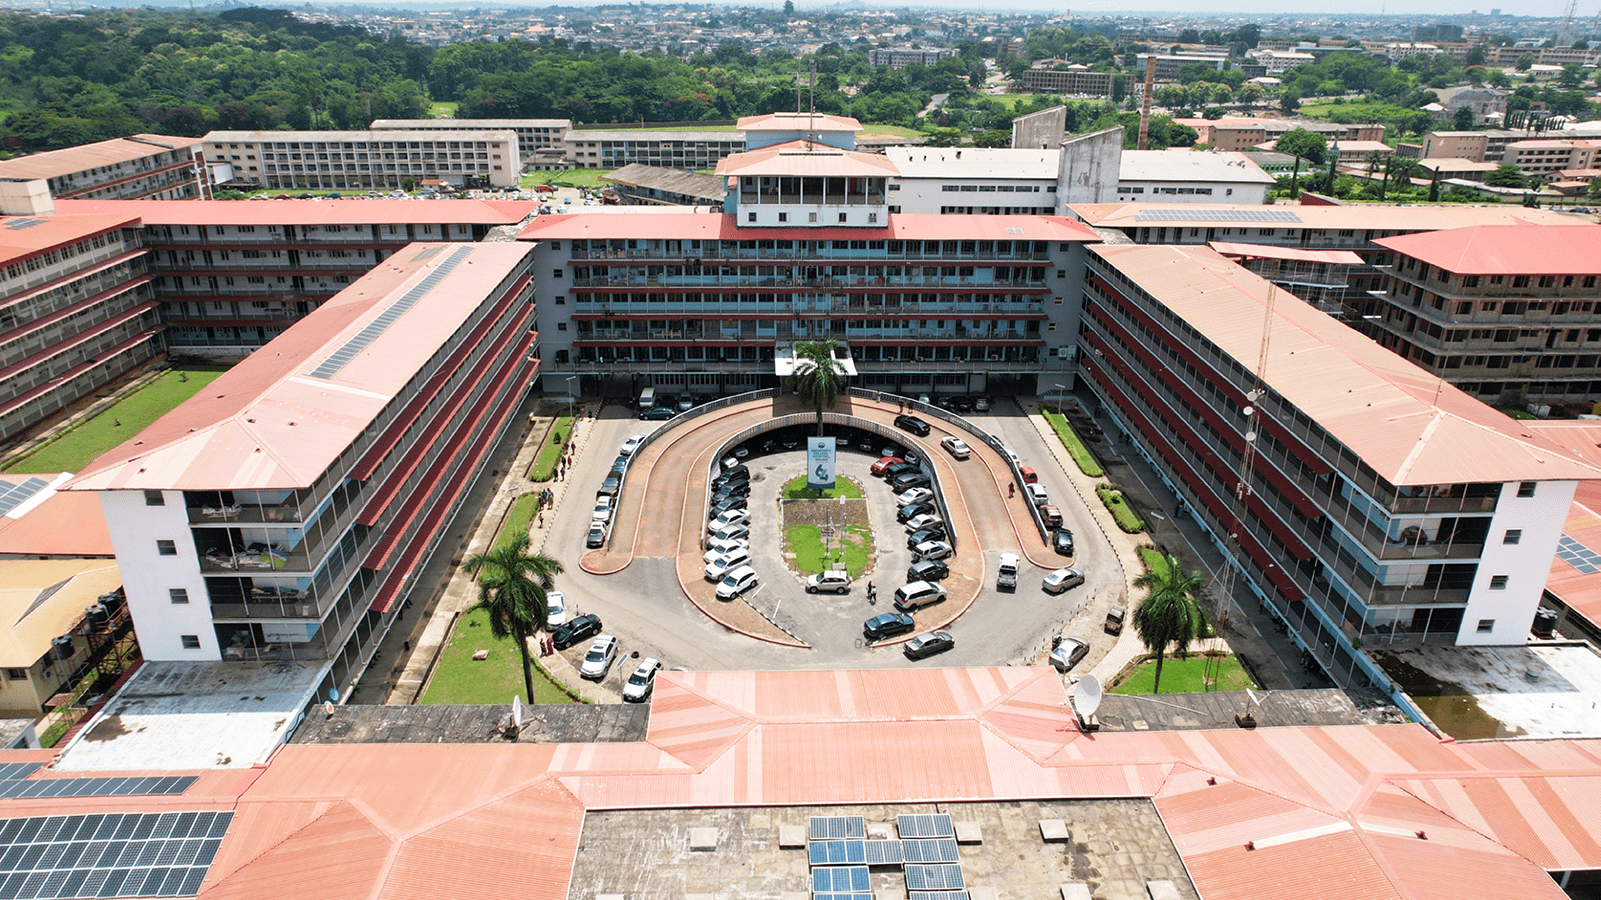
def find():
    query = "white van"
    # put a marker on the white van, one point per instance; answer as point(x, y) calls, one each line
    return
point(647, 398)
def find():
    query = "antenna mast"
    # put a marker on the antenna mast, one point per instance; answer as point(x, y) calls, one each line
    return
point(1253, 414)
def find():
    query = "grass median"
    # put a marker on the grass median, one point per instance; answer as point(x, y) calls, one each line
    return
point(544, 467)
point(850, 549)
point(1115, 503)
point(460, 680)
point(1197, 674)
point(796, 489)
point(1075, 446)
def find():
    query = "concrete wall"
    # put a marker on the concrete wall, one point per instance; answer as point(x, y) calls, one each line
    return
point(1525, 564)
point(1090, 167)
point(147, 576)
point(1040, 131)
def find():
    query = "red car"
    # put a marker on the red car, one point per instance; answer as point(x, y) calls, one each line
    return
point(884, 462)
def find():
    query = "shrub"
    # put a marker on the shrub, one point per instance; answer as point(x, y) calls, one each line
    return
point(1119, 508)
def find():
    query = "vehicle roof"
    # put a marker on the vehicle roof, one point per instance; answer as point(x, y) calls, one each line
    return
point(740, 572)
point(1009, 558)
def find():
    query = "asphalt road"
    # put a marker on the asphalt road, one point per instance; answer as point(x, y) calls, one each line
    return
point(645, 607)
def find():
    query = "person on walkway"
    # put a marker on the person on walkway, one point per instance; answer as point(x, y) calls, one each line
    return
point(872, 592)
point(1011, 490)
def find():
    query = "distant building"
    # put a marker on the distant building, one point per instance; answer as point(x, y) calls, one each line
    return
point(140, 167)
point(1543, 159)
point(901, 57)
point(783, 127)
point(536, 138)
point(363, 160)
point(657, 186)
point(973, 181)
point(1241, 133)
point(1174, 176)
point(670, 149)
point(1478, 146)
point(1073, 82)
point(1167, 67)
point(1486, 104)
point(1277, 62)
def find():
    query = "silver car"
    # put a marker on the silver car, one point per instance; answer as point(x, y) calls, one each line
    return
point(1062, 579)
point(638, 686)
point(597, 662)
point(1068, 653)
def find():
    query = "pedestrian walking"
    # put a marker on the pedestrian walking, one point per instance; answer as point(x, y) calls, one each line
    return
point(1011, 490)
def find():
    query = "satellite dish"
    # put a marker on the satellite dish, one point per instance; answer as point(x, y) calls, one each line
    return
point(1251, 396)
point(1250, 436)
point(517, 712)
point(1248, 410)
point(1087, 695)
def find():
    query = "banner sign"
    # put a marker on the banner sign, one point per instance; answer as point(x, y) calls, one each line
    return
point(820, 463)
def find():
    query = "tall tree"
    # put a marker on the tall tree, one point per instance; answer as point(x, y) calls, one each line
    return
point(1506, 175)
point(511, 587)
point(1170, 614)
point(818, 377)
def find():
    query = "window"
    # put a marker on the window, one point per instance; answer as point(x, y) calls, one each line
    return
point(154, 498)
point(1486, 626)
point(1498, 582)
point(561, 326)
point(190, 641)
point(178, 595)
point(750, 217)
point(1512, 536)
point(167, 548)
point(842, 218)
point(783, 217)
point(555, 273)
point(1526, 489)
point(17, 674)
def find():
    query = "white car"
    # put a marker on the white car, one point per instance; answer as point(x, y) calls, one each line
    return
point(597, 662)
point(914, 495)
point(981, 404)
point(1062, 579)
point(730, 517)
point(602, 511)
point(736, 582)
point(717, 568)
point(1011, 456)
point(1068, 653)
point(926, 520)
point(638, 686)
point(955, 447)
point(723, 546)
point(735, 531)
point(1036, 494)
point(630, 445)
point(730, 461)
point(918, 594)
point(931, 550)
point(555, 609)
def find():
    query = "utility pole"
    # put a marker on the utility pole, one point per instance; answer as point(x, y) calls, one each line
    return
point(1145, 107)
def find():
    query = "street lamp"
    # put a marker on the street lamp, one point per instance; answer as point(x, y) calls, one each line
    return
point(1061, 392)
point(570, 395)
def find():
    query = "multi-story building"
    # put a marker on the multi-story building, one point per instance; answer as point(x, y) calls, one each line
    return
point(536, 138)
point(1277, 62)
point(140, 167)
point(1544, 159)
point(598, 149)
point(1071, 82)
point(285, 513)
point(901, 57)
point(1359, 498)
point(231, 276)
point(1476, 146)
point(783, 127)
point(807, 250)
point(1168, 177)
point(973, 181)
point(1234, 134)
point(77, 310)
point(363, 160)
point(1168, 66)
point(1507, 313)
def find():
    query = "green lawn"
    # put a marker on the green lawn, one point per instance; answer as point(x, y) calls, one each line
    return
point(459, 679)
point(443, 109)
point(849, 551)
point(522, 515)
point(692, 126)
point(896, 130)
point(574, 178)
point(544, 467)
point(78, 447)
point(796, 489)
point(1075, 447)
point(1119, 508)
point(1187, 676)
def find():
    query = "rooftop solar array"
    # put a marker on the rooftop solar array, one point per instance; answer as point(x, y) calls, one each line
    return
point(884, 853)
point(939, 877)
point(862, 896)
point(838, 828)
point(837, 853)
point(14, 495)
point(94, 787)
point(18, 770)
point(1179, 214)
point(1578, 555)
point(930, 850)
point(927, 825)
point(341, 357)
point(938, 895)
point(840, 880)
point(112, 855)
point(19, 224)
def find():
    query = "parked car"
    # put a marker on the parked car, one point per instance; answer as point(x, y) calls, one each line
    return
point(722, 546)
point(1029, 475)
point(884, 462)
point(1068, 653)
point(685, 404)
point(732, 489)
point(736, 582)
point(927, 570)
point(737, 531)
point(596, 537)
point(907, 480)
point(638, 686)
point(722, 565)
point(932, 550)
point(1051, 516)
point(597, 662)
point(928, 644)
point(913, 510)
point(742, 452)
point(632, 444)
point(555, 609)
point(737, 475)
point(730, 517)
point(658, 413)
point(836, 580)
point(912, 458)
point(1114, 620)
point(575, 631)
point(728, 505)
point(913, 424)
point(729, 462)
point(1006, 572)
point(603, 509)
point(981, 404)
point(1062, 542)
point(1036, 494)
point(926, 520)
point(899, 469)
point(1062, 579)
point(892, 450)
point(924, 535)
point(918, 594)
point(914, 495)
point(610, 487)
point(887, 625)
point(956, 447)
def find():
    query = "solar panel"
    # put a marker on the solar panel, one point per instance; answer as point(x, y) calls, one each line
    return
point(14, 495)
point(883, 853)
point(862, 896)
point(1180, 214)
point(840, 879)
point(1578, 555)
point(18, 787)
point(110, 855)
point(941, 877)
point(364, 338)
point(930, 850)
point(838, 828)
point(837, 853)
point(938, 895)
point(19, 224)
point(925, 825)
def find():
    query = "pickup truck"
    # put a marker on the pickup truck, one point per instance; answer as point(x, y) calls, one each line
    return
point(1006, 579)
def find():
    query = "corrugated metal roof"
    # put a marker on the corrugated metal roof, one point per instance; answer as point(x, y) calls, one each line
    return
point(25, 236)
point(1505, 249)
point(807, 159)
point(1364, 216)
point(1548, 819)
point(308, 212)
point(682, 224)
point(1296, 254)
point(1216, 167)
point(55, 163)
point(797, 121)
point(1405, 422)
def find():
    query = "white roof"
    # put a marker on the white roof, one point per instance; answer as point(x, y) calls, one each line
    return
point(973, 162)
point(1214, 167)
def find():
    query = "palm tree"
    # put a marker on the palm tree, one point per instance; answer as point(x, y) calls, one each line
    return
point(511, 588)
point(818, 377)
point(1170, 614)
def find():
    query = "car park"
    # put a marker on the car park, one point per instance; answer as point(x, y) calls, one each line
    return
point(1036, 494)
point(924, 535)
point(736, 582)
point(926, 520)
point(1062, 542)
point(727, 562)
point(730, 517)
point(575, 631)
point(928, 644)
point(914, 495)
point(884, 462)
point(1060, 580)
point(658, 413)
point(596, 537)
point(597, 661)
point(909, 480)
point(639, 685)
point(555, 608)
point(913, 424)
point(927, 570)
point(887, 625)
point(723, 546)
point(632, 444)
point(918, 594)
point(1068, 653)
point(913, 510)
point(836, 580)
point(956, 447)
point(932, 550)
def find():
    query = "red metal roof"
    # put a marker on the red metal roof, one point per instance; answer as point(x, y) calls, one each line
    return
point(67, 523)
point(309, 212)
point(1410, 217)
point(722, 226)
point(1506, 249)
point(807, 159)
point(1295, 254)
point(54, 163)
point(797, 121)
point(25, 236)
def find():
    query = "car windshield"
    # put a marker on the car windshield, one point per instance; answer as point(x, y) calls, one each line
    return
point(595, 654)
point(638, 678)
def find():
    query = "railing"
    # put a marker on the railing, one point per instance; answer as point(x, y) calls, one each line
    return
point(240, 513)
point(821, 256)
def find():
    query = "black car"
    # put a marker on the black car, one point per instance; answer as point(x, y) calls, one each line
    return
point(789, 442)
point(899, 469)
point(913, 424)
point(1062, 542)
point(927, 570)
point(612, 484)
point(887, 625)
point(619, 464)
point(732, 476)
point(913, 510)
point(936, 533)
point(737, 489)
point(725, 505)
point(908, 480)
point(658, 413)
point(962, 404)
point(581, 628)
point(865, 442)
